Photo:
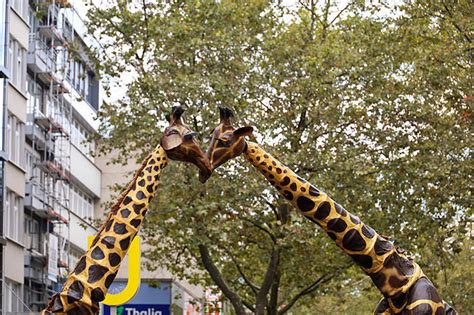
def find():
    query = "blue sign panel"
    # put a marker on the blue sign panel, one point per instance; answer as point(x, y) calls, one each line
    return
point(140, 309)
point(149, 300)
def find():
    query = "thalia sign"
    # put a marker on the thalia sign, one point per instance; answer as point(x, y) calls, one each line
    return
point(140, 309)
point(134, 311)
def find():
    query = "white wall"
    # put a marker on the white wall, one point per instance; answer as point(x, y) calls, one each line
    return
point(78, 235)
point(84, 171)
point(81, 106)
point(14, 262)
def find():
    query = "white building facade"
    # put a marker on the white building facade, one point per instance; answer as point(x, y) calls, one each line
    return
point(50, 96)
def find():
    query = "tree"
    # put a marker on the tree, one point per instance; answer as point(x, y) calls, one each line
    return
point(371, 105)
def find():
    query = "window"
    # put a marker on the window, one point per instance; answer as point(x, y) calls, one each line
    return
point(18, 139)
point(36, 103)
point(9, 139)
point(17, 64)
point(92, 90)
point(15, 135)
point(78, 76)
point(7, 226)
point(79, 137)
point(2, 103)
point(2, 30)
point(74, 256)
point(33, 235)
point(21, 8)
point(82, 204)
point(62, 193)
point(31, 158)
point(11, 59)
point(14, 214)
point(13, 297)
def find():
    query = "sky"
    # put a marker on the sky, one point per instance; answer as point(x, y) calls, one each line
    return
point(119, 89)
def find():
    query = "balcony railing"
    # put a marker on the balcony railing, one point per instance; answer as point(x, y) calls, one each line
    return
point(41, 59)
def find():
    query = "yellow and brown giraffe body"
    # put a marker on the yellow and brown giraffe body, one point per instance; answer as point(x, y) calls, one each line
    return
point(89, 282)
point(405, 288)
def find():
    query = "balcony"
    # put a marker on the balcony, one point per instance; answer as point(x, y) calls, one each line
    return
point(39, 201)
point(46, 122)
point(32, 273)
point(36, 134)
point(54, 169)
point(59, 87)
point(52, 32)
point(40, 58)
point(57, 128)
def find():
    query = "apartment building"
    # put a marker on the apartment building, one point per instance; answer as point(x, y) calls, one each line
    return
point(50, 182)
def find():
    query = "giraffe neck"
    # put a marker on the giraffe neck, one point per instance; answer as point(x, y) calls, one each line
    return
point(391, 271)
point(89, 282)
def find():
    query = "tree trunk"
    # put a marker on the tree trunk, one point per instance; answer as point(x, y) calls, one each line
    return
point(215, 274)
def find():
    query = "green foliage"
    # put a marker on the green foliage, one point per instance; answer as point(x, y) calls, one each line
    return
point(373, 106)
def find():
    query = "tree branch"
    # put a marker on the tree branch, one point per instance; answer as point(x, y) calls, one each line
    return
point(325, 22)
point(455, 24)
point(253, 286)
point(273, 303)
point(313, 20)
point(215, 274)
point(261, 228)
point(272, 207)
point(267, 281)
point(248, 305)
point(311, 288)
point(147, 37)
point(315, 16)
point(339, 14)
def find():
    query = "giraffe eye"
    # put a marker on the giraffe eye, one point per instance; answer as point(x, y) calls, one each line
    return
point(190, 136)
point(172, 132)
point(223, 143)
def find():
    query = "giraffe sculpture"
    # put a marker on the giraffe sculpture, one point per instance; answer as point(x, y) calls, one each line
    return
point(90, 280)
point(405, 288)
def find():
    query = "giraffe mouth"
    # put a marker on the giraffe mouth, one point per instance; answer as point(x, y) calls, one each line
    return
point(204, 176)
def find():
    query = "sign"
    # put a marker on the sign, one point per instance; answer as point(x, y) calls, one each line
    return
point(133, 284)
point(140, 309)
point(53, 258)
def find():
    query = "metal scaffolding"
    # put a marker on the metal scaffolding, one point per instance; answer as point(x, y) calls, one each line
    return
point(48, 132)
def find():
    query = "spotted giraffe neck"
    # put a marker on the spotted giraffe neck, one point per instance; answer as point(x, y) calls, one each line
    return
point(89, 282)
point(397, 276)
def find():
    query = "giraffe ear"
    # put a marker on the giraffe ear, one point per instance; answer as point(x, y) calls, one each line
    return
point(171, 141)
point(243, 131)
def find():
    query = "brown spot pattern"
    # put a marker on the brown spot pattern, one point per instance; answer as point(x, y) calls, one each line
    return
point(392, 272)
point(96, 270)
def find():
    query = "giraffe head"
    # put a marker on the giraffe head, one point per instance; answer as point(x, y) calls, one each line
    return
point(227, 142)
point(180, 144)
